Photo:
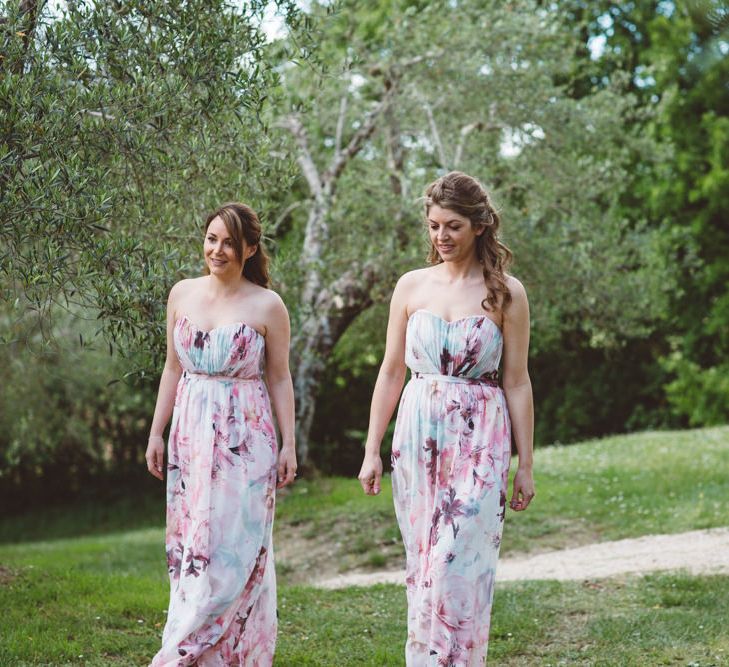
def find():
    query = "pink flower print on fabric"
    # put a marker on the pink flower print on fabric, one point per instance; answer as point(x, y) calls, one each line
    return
point(220, 503)
point(450, 458)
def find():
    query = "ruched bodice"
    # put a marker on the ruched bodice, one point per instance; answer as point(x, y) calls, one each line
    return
point(234, 351)
point(469, 347)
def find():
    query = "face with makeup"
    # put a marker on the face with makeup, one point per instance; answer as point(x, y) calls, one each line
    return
point(451, 234)
point(221, 256)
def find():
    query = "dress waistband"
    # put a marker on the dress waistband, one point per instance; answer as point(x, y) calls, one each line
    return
point(491, 379)
point(220, 376)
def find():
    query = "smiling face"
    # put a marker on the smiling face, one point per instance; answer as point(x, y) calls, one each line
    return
point(221, 255)
point(451, 234)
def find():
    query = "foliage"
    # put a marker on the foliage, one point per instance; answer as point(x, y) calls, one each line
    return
point(409, 96)
point(596, 369)
point(66, 419)
point(554, 163)
point(701, 394)
point(122, 124)
point(674, 55)
point(600, 127)
point(695, 198)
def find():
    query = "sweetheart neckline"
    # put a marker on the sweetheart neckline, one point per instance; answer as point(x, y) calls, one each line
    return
point(238, 323)
point(459, 319)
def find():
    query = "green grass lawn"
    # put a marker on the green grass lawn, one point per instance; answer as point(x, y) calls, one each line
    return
point(87, 585)
point(101, 601)
point(626, 486)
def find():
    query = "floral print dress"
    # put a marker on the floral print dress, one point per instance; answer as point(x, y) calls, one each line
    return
point(450, 458)
point(221, 486)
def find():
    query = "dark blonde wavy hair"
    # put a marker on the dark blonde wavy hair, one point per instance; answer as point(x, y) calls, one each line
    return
point(464, 195)
point(242, 224)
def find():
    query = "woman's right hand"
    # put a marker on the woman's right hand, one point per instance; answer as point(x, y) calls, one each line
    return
point(155, 455)
point(371, 474)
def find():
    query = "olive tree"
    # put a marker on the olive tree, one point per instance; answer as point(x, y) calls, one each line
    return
point(122, 122)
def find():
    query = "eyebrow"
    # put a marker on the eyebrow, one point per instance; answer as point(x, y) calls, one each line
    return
point(447, 222)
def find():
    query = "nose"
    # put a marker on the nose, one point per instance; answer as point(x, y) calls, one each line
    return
point(442, 234)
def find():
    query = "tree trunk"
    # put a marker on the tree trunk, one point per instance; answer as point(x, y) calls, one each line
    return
point(327, 309)
point(333, 311)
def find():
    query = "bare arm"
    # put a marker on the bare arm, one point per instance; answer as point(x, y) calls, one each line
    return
point(280, 387)
point(518, 391)
point(165, 395)
point(387, 389)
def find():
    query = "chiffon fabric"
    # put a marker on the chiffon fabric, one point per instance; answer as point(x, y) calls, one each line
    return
point(221, 486)
point(450, 459)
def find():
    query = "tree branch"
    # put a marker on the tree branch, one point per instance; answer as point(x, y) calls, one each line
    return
point(282, 217)
point(340, 160)
point(377, 69)
point(465, 131)
point(434, 131)
point(340, 124)
point(28, 10)
point(305, 159)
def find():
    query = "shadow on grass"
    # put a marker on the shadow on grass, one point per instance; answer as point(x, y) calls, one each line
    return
point(119, 505)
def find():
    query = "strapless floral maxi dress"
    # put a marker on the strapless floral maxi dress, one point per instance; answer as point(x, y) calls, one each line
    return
point(221, 487)
point(450, 461)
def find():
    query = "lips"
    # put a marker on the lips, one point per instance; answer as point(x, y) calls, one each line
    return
point(217, 262)
point(445, 248)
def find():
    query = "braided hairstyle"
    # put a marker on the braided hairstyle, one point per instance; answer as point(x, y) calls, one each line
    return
point(242, 224)
point(465, 196)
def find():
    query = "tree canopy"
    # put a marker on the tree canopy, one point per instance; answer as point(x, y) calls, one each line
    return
point(600, 128)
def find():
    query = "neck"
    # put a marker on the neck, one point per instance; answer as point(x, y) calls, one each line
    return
point(221, 287)
point(461, 270)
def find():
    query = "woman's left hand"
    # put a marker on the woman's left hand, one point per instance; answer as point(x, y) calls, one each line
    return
point(523, 490)
point(286, 466)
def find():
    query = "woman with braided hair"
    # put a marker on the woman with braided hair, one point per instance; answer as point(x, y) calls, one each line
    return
point(451, 324)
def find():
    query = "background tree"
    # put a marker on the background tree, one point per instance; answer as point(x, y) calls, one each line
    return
point(413, 95)
point(600, 127)
point(673, 57)
point(121, 124)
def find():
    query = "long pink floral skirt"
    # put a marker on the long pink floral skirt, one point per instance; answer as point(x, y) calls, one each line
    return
point(450, 459)
point(221, 488)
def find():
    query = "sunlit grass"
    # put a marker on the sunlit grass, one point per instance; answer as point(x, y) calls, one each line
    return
point(87, 585)
point(102, 600)
point(626, 486)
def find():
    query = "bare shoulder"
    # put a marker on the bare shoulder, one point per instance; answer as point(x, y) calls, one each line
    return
point(270, 302)
point(411, 280)
point(416, 275)
point(184, 287)
point(517, 290)
point(518, 307)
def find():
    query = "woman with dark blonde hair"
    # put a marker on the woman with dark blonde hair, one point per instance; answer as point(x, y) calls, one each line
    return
point(226, 331)
point(449, 324)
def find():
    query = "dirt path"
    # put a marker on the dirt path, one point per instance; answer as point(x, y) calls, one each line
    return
point(698, 552)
